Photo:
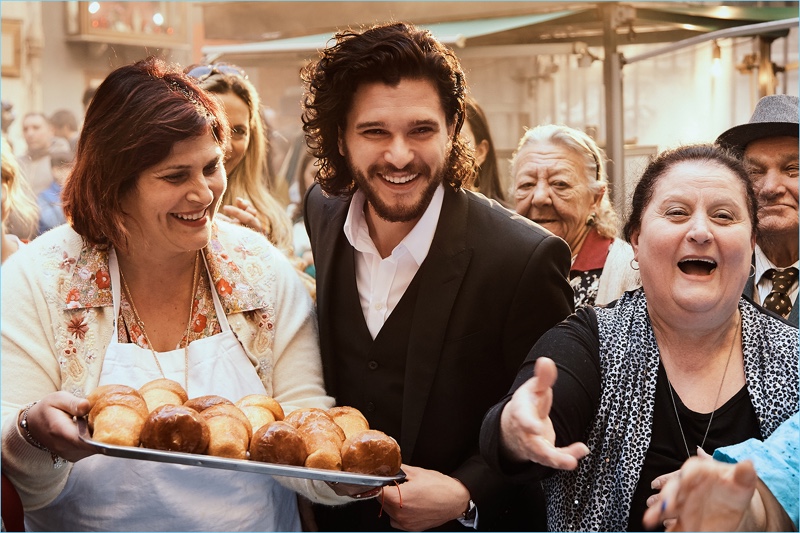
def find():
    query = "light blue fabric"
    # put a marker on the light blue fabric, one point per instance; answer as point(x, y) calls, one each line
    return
point(777, 463)
point(51, 213)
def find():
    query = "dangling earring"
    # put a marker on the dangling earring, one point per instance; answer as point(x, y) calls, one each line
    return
point(634, 267)
point(590, 219)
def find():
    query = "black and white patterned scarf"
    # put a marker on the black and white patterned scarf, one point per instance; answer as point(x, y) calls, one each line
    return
point(597, 495)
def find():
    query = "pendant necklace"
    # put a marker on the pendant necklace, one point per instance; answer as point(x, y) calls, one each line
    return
point(719, 392)
point(188, 326)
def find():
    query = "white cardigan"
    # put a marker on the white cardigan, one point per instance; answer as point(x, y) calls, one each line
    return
point(57, 323)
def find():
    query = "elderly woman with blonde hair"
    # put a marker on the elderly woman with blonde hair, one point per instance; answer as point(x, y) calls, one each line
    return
point(560, 182)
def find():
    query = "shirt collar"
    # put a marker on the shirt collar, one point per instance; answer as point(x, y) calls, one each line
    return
point(593, 252)
point(90, 284)
point(417, 242)
point(762, 264)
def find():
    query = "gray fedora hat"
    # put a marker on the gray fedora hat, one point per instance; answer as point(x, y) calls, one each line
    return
point(774, 116)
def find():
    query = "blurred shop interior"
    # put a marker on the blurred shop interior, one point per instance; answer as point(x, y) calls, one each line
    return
point(638, 76)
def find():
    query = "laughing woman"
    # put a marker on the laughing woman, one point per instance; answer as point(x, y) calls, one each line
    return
point(145, 283)
point(681, 364)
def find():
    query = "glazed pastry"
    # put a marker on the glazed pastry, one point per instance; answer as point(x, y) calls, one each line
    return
point(163, 391)
point(117, 415)
point(229, 431)
point(201, 403)
point(176, 428)
point(324, 445)
point(349, 419)
point(260, 409)
point(298, 416)
point(278, 443)
point(371, 452)
point(323, 437)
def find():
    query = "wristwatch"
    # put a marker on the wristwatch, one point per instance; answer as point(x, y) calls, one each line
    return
point(469, 514)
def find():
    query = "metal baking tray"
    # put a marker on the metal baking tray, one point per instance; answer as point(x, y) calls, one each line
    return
point(209, 461)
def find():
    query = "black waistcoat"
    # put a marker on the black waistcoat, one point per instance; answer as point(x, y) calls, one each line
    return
point(369, 376)
point(370, 373)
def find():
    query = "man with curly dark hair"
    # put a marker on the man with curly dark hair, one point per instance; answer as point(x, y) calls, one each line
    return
point(429, 295)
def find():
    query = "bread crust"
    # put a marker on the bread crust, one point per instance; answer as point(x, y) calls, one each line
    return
point(163, 391)
point(371, 452)
point(350, 419)
point(117, 415)
point(201, 403)
point(278, 443)
point(229, 431)
point(176, 428)
point(322, 436)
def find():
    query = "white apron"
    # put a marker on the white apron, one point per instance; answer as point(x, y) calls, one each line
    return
point(115, 494)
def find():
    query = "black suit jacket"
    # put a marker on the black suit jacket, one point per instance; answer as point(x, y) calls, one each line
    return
point(493, 282)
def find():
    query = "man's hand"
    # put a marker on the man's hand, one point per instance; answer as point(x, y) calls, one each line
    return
point(427, 499)
point(527, 432)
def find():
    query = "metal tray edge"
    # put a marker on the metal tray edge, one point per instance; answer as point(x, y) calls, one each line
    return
point(209, 461)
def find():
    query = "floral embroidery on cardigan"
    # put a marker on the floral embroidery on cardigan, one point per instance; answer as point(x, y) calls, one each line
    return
point(84, 296)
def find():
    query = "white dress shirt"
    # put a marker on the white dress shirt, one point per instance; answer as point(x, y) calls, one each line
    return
point(764, 285)
point(382, 282)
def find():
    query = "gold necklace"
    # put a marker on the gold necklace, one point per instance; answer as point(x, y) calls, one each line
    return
point(719, 392)
point(188, 326)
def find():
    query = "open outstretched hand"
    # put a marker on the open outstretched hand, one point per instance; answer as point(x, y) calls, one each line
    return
point(707, 495)
point(526, 429)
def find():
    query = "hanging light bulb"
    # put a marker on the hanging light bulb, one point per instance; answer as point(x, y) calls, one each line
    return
point(716, 59)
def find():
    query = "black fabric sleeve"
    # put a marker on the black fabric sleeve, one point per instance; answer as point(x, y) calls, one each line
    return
point(573, 345)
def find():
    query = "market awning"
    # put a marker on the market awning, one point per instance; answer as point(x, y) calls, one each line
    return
point(451, 33)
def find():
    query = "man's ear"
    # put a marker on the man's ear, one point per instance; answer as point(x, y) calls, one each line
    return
point(340, 142)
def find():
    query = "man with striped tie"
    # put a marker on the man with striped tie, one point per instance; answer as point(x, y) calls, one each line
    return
point(768, 145)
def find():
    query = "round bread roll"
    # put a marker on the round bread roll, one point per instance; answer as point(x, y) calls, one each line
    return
point(308, 415)
point(323, 437)
point(298, 416)
point(201, 403)
point(278, 443)
point(176, 428)
point(163, 391)
point(117, 415)
point(349, 419)
point(229, 431)
point(324, 445)
point(262, 400)
point(260, 409)
point(371, 452)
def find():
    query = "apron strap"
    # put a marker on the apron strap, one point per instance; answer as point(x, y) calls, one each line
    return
point(221, 317)
point(116, 292)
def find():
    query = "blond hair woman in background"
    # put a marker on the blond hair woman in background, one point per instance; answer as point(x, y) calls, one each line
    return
point(248, 200)
point(16, 198)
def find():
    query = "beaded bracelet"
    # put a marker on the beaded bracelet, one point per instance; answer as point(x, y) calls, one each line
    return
point(58, 462)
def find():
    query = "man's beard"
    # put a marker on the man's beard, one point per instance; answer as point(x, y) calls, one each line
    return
point(392, 212)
